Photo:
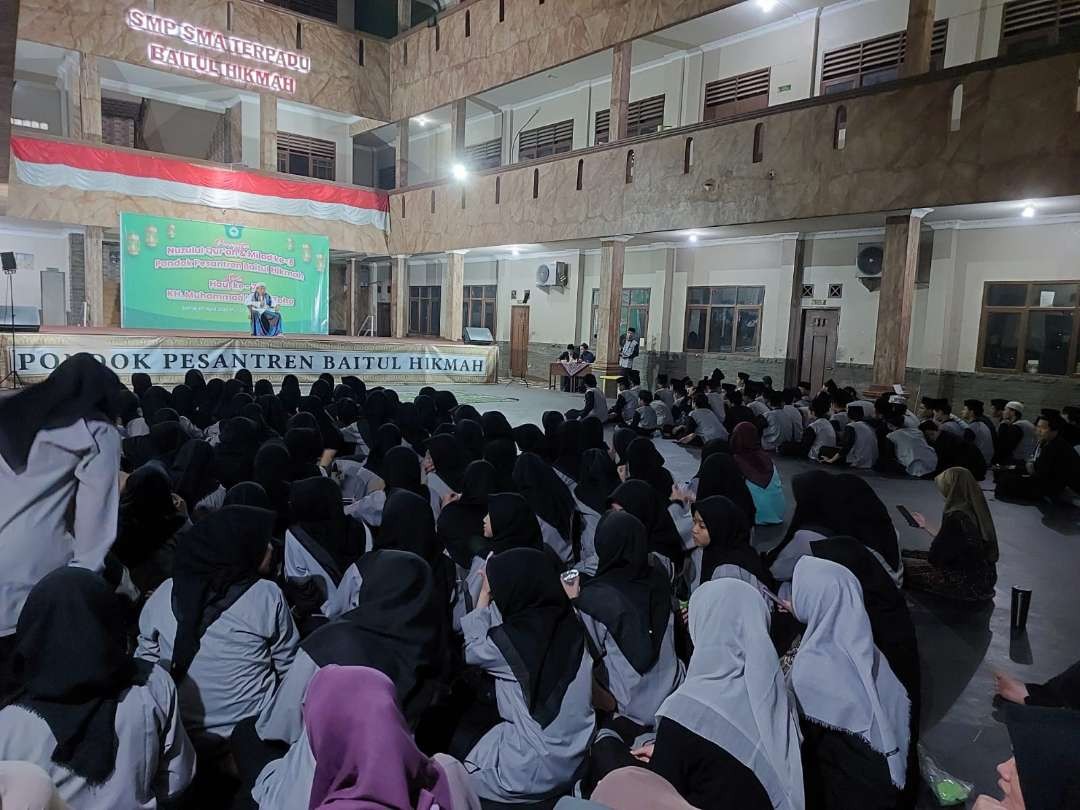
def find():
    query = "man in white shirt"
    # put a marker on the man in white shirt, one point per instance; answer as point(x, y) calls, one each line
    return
point(628, 351)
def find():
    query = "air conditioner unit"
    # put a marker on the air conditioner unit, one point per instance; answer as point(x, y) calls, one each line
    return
point(870, 262)
point(562, 274)
point(544, 276)
point(363, 275)
point(557, 276)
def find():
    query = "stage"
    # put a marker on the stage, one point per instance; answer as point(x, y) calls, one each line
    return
point(168, 356)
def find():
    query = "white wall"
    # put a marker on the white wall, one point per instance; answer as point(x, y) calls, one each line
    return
point(552, 310)
point(49, 248)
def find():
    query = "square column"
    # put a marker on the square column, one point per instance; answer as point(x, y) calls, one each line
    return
point(267, 132)
point(401, 155)
point(795, 316)
point(9, 29)
point(399, 296)
point(609, 304)
point(457, 132)
point(81, 84)
point(404, 15)
point(454, 294)
point(896, 298)
point(620, 91)
point(920, 32)
point(94, 275)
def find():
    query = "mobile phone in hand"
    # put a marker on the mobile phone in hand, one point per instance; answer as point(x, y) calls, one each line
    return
point(903, 510)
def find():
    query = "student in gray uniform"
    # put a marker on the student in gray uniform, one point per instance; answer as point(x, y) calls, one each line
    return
point(357, 749)
point(599, 478)
point(943, 415)
point(781, 425)
point(104, 727)
point(644, 421)
point(225, 634)
point(982, 429)
point(59, 459)
point(322, 547)
point(395, 629)
point(701, 425)
point(595, 402)
point(859, 443)
point(627, 611)
point(550, 500)
point(524, 633)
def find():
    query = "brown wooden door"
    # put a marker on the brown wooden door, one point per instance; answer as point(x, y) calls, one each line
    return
point(384, 319)
point(818, 356)
point(519, 340)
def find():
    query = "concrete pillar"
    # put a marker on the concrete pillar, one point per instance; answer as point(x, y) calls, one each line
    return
point(346, 14)
point(581, 314)
point(401, 177)
point(620, 91)
point(664, 343)
point(399, 296)
point(95, 275)
point(920, 32)
point(9, 29)
point(794, 333)
point(268, 132)
point(90, 98)
point(897, 294)
point(404, 15)
point(454, 294)
point(457, 132)
point(612, 260)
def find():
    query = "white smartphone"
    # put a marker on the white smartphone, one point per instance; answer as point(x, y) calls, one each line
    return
point(772, 597)
point(569, 577)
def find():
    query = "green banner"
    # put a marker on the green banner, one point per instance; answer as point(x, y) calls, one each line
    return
point(182, 274)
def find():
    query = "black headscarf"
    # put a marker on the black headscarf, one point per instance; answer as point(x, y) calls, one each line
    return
point(322, 527)
point(273, 472)
point(408, 524)
point(305, 448)
point(530, 439)
point(140, 382)
point(496, 426)
point(645, 463)
point(460, 527)
point(466, 411)
point(195, 380)
point(217, 560)
point(545, 492)
point(303, 419)
point(568, 461)
point(322, 390)
point(183, 400)
point(162, 443)
point(162, 415)
point(720, 475)
point(193, 472)
point(235, 454)
point(401, 470)
point(449, 459)
point(502, 453)
point(387, 437)
point(1046, 745)
point(592, 434)
point(376, 408)
point(208, 402)
point(540, 637)
point(79, 388)
point(641, 501)
point(621, 441)
point(127, 407)
point(843, 504)
point(290, 392)
point(395, 628)
point(513, 524)
point(358, 387)
point(263, 388)
point(472, 438)
point(148, 518)
point(244, 376)
point(599, 477)
point(711, 448)
point(445, 403)
point(408, 419)
point(274, 413)
point(248, 493)
point(551, 420)
point(630, 597)
point(331, 436)
point(428, 413)
point(342, 391)
point(729, 540)
point(152, 400)
point(71, 659)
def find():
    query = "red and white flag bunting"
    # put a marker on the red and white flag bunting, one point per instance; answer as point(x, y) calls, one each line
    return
point(86, 167)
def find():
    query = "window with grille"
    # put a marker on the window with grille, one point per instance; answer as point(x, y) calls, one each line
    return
point(551, 139)
point(486, 155)
point(643, 117)
point(724, 319)
point(737, 94)
point(306, 156)
point(1031, 25)
point(425, 310)
point(478, 307)
point(322, 9)
point(807, 291)
point(634, 311)
point(874, 61)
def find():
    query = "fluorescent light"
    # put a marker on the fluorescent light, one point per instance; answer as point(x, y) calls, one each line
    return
point(459, 171)
point(515, 251)
point(766, 5)
point(1028, 212)
point(692, 237)
point(422, 120)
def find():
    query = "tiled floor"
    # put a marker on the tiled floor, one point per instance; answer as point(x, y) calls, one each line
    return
point(1040, 549)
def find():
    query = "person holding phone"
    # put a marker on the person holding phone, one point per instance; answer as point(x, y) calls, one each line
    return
point(962, 561)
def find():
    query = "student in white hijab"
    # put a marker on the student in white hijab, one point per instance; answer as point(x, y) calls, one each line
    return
point(728, 737)
point(855, 711)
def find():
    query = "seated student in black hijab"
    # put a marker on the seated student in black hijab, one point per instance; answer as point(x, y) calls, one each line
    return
point(502, 454)
point(721, 535)
point(524, 633)
point(400, 469)
point(444, 464)
point(395, 628)
point(224, 633)
point(954, 450)
point(509, 523)
point(322, 548)
point(1053, 468)
point(103, 726)
point(193, 476)
point(597, 480)
point(570, 446)
point(626, 608)
point(550, 500)
point(642, 501)
point(461, 522)
point(150, 517)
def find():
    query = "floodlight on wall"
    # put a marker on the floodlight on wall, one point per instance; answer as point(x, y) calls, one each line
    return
point(422, 120)
point(515, 251)
point(459, 171)
point(1028, 212)
point(767, 5)
point(692, 238)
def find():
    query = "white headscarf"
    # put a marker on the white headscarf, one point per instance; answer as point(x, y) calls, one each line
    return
point(734, 695)
point(840, 679)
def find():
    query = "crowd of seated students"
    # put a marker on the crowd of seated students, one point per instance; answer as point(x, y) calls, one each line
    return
point(230, 596)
